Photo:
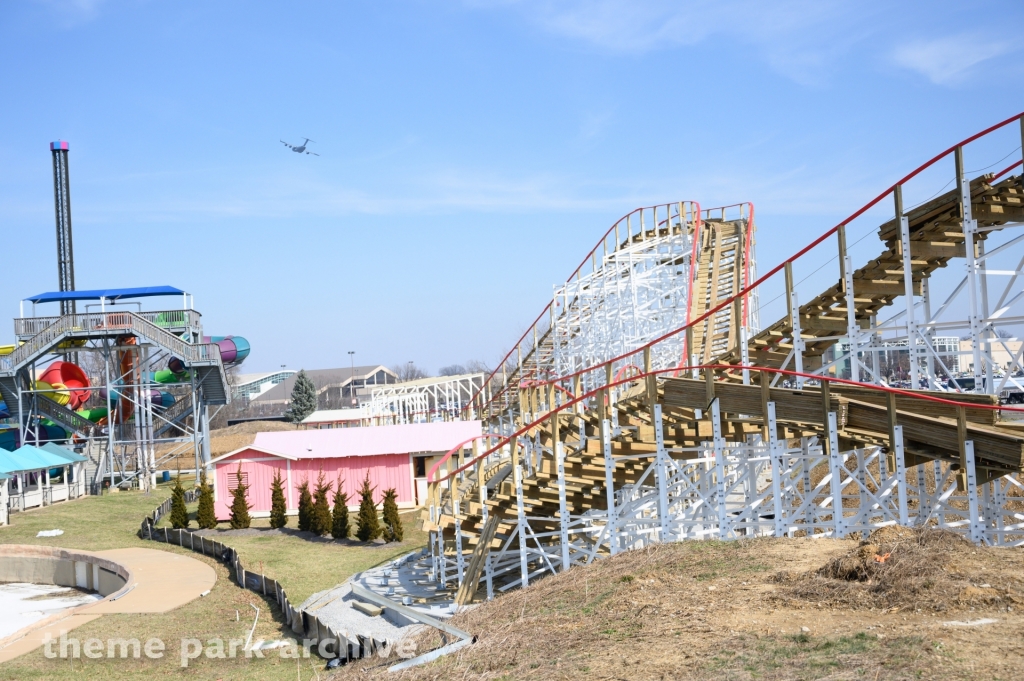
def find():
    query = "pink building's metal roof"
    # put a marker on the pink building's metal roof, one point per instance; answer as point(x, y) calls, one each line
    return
point(368, 441)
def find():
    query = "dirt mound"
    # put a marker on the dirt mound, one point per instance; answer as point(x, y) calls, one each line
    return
point(251, 428)
point(224, 440)
point(710, 610)
point(898, 568)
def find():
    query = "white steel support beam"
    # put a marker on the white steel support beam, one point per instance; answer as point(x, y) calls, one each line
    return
point(664, 483)
point(609, 486)
point(563, 507)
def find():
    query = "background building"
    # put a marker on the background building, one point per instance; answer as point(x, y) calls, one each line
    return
point(336, 388)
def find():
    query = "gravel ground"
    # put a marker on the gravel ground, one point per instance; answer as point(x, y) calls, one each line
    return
point(334, 608)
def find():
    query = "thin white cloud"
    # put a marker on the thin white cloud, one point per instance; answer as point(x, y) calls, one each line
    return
point(73, 12)
point(798, 38)
point(798, 190)
point(949, 60)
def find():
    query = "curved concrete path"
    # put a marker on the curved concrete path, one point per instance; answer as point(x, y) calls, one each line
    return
point(160, 581)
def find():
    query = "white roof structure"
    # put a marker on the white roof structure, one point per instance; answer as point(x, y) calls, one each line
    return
point(254, 385)
point(425, 399)
point(335, 415)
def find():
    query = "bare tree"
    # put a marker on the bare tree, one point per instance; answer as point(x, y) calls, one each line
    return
point(409, 372)
point(473, 366)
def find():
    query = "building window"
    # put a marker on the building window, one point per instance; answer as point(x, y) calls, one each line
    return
point(421, 466)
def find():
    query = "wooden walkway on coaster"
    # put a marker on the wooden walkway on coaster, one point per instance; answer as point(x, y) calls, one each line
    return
point(720, 269)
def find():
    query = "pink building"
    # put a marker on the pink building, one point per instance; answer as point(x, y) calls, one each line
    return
point(394, 456)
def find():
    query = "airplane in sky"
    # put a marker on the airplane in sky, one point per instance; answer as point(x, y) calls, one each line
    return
point(300, 148)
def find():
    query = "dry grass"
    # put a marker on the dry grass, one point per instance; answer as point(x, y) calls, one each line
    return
point(715, 610)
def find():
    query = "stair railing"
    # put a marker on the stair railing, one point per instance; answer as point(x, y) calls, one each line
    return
point(64, 416)
point(126, 322)
point(30, 326)
point(170, 416)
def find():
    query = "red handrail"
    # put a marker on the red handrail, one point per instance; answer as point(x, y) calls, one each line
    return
point(728, 367)
point(775, 270)
point(744, 292)
point(626, 367)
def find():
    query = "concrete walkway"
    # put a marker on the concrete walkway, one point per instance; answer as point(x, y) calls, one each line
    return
point(160, 581)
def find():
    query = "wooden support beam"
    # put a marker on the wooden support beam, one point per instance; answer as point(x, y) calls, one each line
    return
point(890, 411)
point(961, 438)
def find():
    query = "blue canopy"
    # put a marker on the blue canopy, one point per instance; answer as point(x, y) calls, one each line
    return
point(108, 293)
point(63, 452)
point(29, 458)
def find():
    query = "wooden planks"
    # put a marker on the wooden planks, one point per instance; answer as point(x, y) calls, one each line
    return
point(936, 237)
point(991, 446)
point(798, 406)
point(927, 407)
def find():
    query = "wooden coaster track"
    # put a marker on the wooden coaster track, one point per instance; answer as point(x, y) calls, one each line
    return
point(754, 441)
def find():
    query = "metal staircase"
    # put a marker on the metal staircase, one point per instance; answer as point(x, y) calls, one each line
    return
point(173, 416)
point(203, 358)
point(64, 417)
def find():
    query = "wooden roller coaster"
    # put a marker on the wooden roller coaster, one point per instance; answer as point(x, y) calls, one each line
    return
point(756, 431)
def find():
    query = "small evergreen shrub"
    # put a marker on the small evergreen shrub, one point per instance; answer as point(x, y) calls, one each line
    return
point(179, 513)
point(392, 522)
point(321, 521)
point(339, 521)
point(278, 508)
point(240, 503)
point(206, 518)
point(367, 522)
point(305, 506)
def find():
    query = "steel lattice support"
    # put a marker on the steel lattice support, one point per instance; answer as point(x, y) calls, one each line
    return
point(729, 490)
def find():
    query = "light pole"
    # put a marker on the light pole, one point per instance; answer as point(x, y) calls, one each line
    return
point(283, 380)
point(352, 377)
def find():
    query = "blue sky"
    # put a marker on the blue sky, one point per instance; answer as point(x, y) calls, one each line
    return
point(471, 152)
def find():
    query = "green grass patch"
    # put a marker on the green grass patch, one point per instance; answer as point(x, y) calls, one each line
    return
point(112, 521)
